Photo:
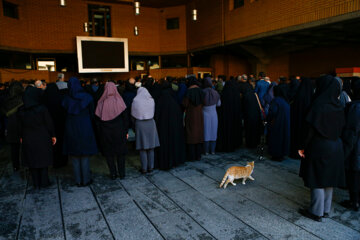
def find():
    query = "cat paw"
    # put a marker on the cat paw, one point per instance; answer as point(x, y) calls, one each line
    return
point(243, 183)
point(234, 184)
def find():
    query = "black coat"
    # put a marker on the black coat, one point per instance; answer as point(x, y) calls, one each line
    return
point(112, 134)
point(36, 131)
point(169, 121)
point(230, 119)
point(52, 99)
point(323, 165)
point(351, 137)
point(253, 125)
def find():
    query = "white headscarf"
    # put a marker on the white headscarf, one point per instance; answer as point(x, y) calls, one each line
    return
point(143, 106)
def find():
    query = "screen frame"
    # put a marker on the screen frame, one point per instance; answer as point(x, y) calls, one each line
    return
point(101, 39)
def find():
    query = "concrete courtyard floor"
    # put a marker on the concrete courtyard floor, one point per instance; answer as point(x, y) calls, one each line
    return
point(184, 203)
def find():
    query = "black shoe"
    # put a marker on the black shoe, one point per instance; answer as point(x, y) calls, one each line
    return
point(143, 171)
point(350, 205)
point(113, 177)
point(308, 214)
point(89, 183)
point(326, 215)
point(150, 170)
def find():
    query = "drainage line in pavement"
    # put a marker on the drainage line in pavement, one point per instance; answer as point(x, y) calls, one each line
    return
point(221, 206)
point(22, 208)
point(102, 212)
point(142, 210)
point(181, 208)
point(61, 209)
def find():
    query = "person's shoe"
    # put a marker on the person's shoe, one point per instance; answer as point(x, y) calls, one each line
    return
point(89, 183)
point(212, 153)
point(150, 170)
point(206, 154)
point(308, 214)
point(350, 205)
point(326, 215)
point(143, 171)
point(113, 177)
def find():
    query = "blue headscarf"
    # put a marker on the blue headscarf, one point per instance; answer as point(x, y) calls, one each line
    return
point(78, 99)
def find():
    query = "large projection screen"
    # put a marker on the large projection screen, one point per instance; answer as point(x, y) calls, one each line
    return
point(102, 54)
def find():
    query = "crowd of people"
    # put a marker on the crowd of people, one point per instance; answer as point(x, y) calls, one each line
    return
point(178, 120)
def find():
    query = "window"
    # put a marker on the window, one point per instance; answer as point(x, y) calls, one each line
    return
point(238, 3)
point(10, 10)
point(172, 23)
point(99, 20)
point(44, 64)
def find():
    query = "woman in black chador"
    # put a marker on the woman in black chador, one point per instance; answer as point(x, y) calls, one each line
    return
point(169, 121)
point(322, 166)
point(52, 99)
point(278, 120)
point(230, 118)
point(351, 139)
point(298, 111)
point(37, 137)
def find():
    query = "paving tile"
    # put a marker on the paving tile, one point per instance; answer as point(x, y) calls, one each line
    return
point(179, 226)
point(42, 215)
point(10, 213)
point(125, 219)
point(214, 219)
point(82, 216)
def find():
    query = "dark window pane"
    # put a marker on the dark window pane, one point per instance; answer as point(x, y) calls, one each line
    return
point(174, 61)
point(172, 23)
point(10, 9)
point(238, 3)
point(99, 20)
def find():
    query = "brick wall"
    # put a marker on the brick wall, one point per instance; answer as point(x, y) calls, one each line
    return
point(268, 15)
point(44, 25)
point(316, 61)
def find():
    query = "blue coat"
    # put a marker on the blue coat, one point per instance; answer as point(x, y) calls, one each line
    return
point(261, 89)
point(79, 138)
point(279, 128)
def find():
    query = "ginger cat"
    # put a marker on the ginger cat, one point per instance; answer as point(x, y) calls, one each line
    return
point(236, 172)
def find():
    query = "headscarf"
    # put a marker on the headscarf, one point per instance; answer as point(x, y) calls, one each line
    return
point(194, 93)
point(32, 97)
point(280, 92)
point(143, 106)
point(111, 104)
point(326, 114)
point(78, 99)
point(211, 97)
point(305, 92)
point(355, 85)
point(344, 97)
point(293, 87)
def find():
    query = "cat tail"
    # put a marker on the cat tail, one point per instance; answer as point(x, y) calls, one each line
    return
point(224, 179)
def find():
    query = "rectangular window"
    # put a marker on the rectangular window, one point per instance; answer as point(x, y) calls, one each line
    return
point(238, 3)
point(10, 10)
point(99, 20)
point(172, 23)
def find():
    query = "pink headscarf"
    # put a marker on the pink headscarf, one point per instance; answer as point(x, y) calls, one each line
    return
point(111, 104)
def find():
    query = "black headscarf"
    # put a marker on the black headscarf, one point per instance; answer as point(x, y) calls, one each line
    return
point(211, 97)
point(32, 97)
point(326, 114)
point(293, 87)
point(280, 92)
point(194, 93)
point(355, 85)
